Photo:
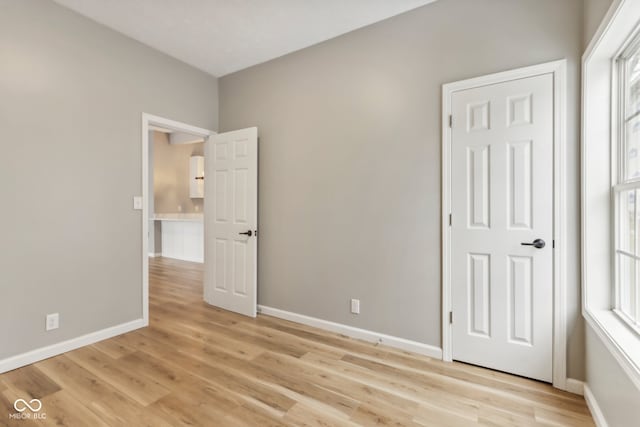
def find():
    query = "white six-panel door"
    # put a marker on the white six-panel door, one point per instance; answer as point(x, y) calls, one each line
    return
point(501, 197)
point(231, 221)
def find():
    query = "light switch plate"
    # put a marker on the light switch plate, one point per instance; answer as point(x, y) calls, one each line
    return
point(355, 306)
point(137, 203)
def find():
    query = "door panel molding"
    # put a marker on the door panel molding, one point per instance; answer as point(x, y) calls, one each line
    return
point(231, 219)
point(519, 113)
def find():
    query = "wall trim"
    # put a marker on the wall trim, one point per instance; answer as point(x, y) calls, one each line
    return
point(592, 404)
point(194, 260)
point(155, 255)
point(575, 386)
point(42, 353)
point(558, 69)
point(353, 332)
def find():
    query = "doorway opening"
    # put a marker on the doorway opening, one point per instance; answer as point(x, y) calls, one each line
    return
point(173, 156)
point(176, 195)
point(220, 235)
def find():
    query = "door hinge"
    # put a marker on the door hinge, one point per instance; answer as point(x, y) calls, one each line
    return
point(450, 120)
point(451, 317)
point(553, 243)
point(450, 220)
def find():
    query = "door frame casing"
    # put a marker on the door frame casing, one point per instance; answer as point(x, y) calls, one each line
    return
point(558, 70)
point(149, 120)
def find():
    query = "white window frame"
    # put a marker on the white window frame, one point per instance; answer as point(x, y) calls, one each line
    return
point(599, 174)
point(621, 183)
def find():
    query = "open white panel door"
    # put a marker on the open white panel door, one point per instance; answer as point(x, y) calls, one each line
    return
point(231, 221)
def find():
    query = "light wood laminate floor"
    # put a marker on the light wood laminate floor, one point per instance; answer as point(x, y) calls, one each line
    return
point(198, 365)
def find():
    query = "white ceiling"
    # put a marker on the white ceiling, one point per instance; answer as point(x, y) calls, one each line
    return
point(223, 36)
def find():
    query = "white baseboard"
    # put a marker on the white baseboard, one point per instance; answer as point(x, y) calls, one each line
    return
point(152, 255)
point(574, 386)
point(33, 356)
point(350, 331)
point(596, 412)
point(198, 260)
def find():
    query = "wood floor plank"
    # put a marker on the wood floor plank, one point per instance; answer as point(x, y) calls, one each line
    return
point(182, 410)
point(558, 417)
point(243, 388)
point(492, 416)
point(209, 334)
point(135, 386)
point(113, 349)
point(495, 398)
point(307, 416)
point(372, 387)
point(63, 410)
point(367, 415)
point(363, 391)
point(7, 399)
point(304, 344)
point(198, 365)
point(267, 368)
point(106, 401)
point(30, 382)
point(429, 414)
point(245, 416)
point(207, 382)
point(335, 340)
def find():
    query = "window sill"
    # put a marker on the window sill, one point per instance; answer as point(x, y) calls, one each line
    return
point(619, 339)
point(630, 323)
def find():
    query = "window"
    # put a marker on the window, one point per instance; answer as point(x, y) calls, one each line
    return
point(610, 183)
point(627, 187)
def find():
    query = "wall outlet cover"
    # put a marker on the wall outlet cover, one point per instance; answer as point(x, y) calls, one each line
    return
point(53, 321)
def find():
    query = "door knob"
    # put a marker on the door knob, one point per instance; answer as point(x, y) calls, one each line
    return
point(247, 233)
point(538, 243)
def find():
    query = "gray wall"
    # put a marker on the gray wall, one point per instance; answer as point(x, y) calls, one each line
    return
point(171, 176)
point(614, 392)
point(72, 93)
point(350, 157)
point(617, 396)
point(594, 11)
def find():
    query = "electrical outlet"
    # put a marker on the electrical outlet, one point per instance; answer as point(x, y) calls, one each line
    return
point(355, 306)
point(53, 321)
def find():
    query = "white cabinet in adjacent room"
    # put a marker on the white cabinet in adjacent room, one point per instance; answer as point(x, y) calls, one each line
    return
point(182, 237)
point(196, 177)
